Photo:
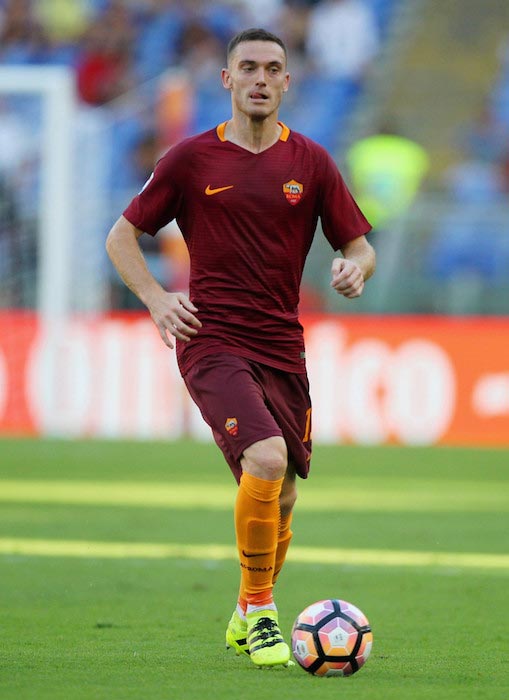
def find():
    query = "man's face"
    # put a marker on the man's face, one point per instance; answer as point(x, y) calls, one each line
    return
point(257, 78)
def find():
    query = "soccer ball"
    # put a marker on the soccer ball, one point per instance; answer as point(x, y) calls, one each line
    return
point(331, 638)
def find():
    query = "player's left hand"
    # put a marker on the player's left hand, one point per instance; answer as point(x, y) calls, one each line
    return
point(347, 278)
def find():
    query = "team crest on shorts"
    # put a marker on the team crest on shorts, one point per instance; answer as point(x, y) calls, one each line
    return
point(232, 426)
point(293, 191)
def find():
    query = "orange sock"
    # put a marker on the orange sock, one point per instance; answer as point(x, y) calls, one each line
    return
point(257, 518)
point(283, 542)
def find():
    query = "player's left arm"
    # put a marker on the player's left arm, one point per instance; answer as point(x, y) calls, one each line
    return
point(350, 272)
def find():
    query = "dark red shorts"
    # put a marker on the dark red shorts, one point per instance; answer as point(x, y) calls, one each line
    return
point(244, 402)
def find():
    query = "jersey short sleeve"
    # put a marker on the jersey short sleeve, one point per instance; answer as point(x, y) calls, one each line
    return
point(159, 201)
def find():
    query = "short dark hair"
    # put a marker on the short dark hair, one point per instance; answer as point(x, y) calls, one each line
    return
point(254, 34)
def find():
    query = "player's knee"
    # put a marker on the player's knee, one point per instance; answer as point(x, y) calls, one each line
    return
point(266, 459)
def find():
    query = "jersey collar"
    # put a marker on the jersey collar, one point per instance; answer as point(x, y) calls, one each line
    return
point(220, 130)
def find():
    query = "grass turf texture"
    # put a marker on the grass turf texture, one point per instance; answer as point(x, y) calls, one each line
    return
point(138, 627)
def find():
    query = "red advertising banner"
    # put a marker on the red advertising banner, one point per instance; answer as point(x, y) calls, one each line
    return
point(374, 380)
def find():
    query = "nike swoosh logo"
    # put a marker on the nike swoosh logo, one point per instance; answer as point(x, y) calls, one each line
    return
point(209, 190)
point(258, 554)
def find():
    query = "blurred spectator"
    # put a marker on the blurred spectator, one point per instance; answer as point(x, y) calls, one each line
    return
point(485, 138)
point(173, 32)
point(500, 110)
point(221, 17)
point(504, 169)
point(146, 153)
point(200, 51)
point(342, 38)
point(22, 39)
point(475, 180)
point(467, 258)
point(175, 107)
point(104, 68)
point(480, 173)
point(9, 224)
point(500, 91)
point(294, 21)
point(64, 21)
point(162, 25)
point(262, 13)
point(17, 251)
point(468, 251)
point(386, 171)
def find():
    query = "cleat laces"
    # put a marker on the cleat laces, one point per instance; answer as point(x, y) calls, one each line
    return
point(264, 633)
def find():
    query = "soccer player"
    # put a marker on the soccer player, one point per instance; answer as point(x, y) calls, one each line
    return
point(247, 196)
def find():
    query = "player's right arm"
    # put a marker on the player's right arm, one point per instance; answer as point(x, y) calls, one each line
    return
point(172, 312)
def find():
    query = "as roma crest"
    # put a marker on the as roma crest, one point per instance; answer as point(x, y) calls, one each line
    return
point(293, 191)
point(232, 426)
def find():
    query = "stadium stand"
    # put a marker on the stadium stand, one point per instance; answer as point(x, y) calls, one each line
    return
point(146, 74)
point(116, 45)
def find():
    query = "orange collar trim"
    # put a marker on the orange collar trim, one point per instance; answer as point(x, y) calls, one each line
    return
point(221, 129)
point(285, 133)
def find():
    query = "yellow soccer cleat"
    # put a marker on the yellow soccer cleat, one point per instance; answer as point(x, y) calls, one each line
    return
point(236, 635)
point(265, 641)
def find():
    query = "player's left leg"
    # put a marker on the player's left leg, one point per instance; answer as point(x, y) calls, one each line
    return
point(287, 499)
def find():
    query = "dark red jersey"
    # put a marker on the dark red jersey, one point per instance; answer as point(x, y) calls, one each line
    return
point(248, 220)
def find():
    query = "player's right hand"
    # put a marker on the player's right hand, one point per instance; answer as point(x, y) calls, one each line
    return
point(173, 314)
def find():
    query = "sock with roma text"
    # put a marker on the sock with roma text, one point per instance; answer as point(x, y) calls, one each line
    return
point(283, 542)
point(257, 518)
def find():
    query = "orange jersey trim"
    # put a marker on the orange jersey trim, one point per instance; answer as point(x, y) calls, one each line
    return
point(221, 129)
point(285, 133)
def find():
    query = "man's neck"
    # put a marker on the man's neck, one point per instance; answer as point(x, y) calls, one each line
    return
point(253, 135)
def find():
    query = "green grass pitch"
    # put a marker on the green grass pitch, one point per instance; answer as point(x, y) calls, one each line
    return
point(117, 571)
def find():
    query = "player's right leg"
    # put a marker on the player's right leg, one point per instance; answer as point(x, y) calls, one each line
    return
point(266, 644)
point(236, 632)
point(230, 396)
point(257, 518)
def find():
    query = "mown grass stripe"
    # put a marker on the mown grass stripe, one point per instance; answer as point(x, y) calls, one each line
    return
point(219, 552)
point(345, 495)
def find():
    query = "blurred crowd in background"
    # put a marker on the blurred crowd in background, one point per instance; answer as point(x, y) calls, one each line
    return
point(150, 69)
point(113, 45)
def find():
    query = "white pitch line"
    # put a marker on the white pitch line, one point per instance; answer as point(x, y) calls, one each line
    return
point(219, 552)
